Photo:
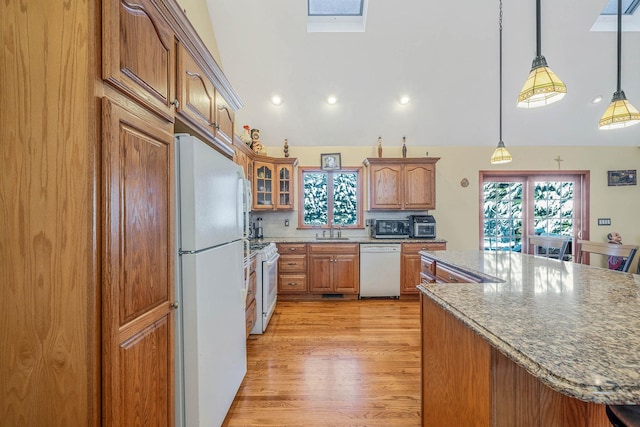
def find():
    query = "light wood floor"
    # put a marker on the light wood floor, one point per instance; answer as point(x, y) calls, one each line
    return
point(333, 363)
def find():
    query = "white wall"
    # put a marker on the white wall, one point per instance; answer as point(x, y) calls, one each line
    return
point(457, 210)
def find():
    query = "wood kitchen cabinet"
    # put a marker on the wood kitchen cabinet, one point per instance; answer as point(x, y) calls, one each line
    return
point(138, 53)
point(250, 302)
point(196, 94)
point(402, 183)
point(411, 265)
point(273, 183)
point(137, 280)
point(334, 268)
point(88, 308)
point(292, 269)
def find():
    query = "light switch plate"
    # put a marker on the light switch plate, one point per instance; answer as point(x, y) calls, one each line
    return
point(604, 221)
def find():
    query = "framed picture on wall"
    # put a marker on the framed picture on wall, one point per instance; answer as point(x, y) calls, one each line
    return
point(330, 162)
point(627, 177)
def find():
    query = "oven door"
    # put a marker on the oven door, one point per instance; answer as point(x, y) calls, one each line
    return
point(269, 288)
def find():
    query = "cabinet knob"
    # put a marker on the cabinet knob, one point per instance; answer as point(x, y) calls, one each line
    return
point(175, 103)
point(215, 125)
point(293, 249)
point(292, 263)
point(174, 305)
point(292, 283)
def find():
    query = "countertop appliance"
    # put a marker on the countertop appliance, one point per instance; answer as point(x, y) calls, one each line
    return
point(211, 359)
point(379, 270)
point(423, 226)
point(266, 283)
point(390, 228)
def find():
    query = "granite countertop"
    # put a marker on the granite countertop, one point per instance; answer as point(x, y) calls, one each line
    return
point(574, 327)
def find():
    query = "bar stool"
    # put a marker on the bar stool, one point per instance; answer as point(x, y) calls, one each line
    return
point(623, 415)
point(609, 249)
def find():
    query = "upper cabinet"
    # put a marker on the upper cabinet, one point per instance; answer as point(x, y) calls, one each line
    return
point(272, 183)
point(139, 57)
point(402, 183)
point(224, 118)
point(196, 94)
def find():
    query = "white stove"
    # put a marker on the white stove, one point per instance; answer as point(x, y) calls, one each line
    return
point(266, 283)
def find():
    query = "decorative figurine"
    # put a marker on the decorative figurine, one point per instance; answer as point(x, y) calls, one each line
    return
point(615, 262)
point(286, 148)
point(256, 145)
point(404, 147)
point(379, 146)
point(246, 135)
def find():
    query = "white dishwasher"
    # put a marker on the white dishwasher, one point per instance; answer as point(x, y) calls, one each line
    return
point(379, 270)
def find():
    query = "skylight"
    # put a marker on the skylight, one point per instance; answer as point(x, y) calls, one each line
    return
point(336, 15)
point(334, 7)
point(608, 20)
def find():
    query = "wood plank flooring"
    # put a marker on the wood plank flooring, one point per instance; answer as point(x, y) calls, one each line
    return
point(333, 363)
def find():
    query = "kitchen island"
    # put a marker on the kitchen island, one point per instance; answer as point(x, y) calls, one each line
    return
point(535, 342)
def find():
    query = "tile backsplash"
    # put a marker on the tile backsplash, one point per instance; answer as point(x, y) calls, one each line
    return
point(273, 223)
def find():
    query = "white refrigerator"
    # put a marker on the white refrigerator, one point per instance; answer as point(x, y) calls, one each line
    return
point(211, 358)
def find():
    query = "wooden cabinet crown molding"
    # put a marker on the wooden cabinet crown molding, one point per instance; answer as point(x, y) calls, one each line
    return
point(399, 160)
point(188, 35)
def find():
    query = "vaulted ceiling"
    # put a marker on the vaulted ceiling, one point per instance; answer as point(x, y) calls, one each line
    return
point(443, 55)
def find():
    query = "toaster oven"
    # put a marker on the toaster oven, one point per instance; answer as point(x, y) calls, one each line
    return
point(422, 226)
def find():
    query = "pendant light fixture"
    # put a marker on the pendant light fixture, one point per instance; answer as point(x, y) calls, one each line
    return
point(542, 87)
point(620, 112)
point(500, 155)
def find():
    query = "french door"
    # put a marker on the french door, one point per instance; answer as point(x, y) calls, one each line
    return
point(514, 205)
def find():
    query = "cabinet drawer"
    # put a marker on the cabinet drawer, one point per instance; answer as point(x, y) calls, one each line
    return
point(292, 283)
point(334, 248)
point(292, 248)
point(446, 274)
point(293, 263)
point(250, 316)
point(414, 248)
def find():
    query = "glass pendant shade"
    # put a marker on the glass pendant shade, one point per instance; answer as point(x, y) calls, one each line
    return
point(619, 114)
point(543, 86)
point(500, 155)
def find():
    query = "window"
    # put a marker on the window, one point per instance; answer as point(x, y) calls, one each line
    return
point(515, 205)
point(330, 198)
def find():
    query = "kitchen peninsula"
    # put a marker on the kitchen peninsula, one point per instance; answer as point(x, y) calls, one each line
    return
point(533, 342)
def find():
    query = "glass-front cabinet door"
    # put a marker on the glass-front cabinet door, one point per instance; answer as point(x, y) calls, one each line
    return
point(285, 187)
point(263, 185)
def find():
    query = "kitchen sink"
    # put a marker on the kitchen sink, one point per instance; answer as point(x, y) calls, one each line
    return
point(331, 238)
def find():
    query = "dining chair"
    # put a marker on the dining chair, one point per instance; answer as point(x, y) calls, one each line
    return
point(543, 245)
point(608, 249)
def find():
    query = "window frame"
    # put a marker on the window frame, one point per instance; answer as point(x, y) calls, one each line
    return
point(360, 189)
point(581, 205)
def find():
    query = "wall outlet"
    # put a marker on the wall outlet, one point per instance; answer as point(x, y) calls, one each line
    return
point(604, 221)
point(286, 222)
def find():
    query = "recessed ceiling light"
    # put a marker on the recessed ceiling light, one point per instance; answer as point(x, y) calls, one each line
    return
point(276, 100)
point(596, 99)
point(404, 100)
point(332, 100)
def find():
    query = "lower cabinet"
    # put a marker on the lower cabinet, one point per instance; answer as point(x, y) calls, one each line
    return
point(292, 268)
point(334, 268)
point(250, 311)
point(410, 265)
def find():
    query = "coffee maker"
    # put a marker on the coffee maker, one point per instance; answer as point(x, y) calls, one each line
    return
point(257, 229)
